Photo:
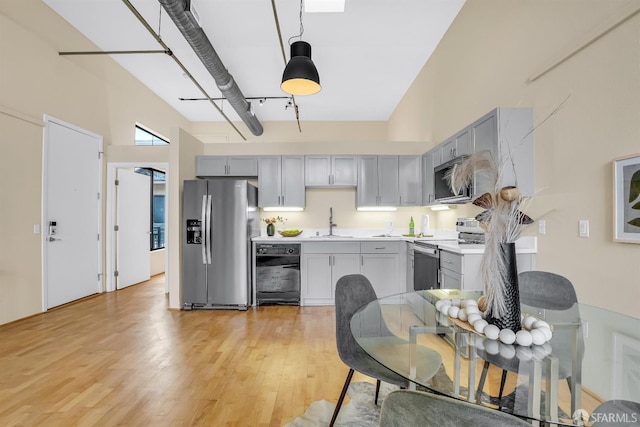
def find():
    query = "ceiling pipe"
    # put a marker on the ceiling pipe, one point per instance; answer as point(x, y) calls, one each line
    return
point(195, 36)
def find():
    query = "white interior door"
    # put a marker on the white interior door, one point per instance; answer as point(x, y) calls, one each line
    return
point(71, 213)
point(133, 217)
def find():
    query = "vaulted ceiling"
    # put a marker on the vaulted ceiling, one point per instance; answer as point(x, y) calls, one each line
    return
point(367, 56)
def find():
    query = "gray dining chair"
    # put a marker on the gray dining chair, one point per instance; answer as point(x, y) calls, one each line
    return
point(406, 408)
point(543, 290)
point(353, 292)
point(616, 413)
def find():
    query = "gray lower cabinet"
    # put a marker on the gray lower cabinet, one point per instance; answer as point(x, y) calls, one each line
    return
point(240, 166)
point(281, 181)
point(508, 134)
point(380, 263)
point(410, 180)
point(377, 181)
point(331, 171)
point(463, 271)
point(322, 264)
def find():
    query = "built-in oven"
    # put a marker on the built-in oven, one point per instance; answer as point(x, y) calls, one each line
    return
point(426, 266)
point(277, 273)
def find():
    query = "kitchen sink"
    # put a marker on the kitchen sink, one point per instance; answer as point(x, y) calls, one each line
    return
point(331, 236)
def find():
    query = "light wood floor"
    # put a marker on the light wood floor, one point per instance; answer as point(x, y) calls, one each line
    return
point(122, 358)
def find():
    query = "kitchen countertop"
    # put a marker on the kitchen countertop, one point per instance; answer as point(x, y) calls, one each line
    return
point(447, 240)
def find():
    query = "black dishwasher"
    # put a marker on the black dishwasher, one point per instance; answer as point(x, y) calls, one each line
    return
point(278, 273)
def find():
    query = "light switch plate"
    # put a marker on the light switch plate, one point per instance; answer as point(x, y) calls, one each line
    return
point(542, 226)
point(584, 228)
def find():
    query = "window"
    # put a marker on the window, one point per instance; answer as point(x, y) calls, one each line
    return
point(144, 137)
point(156, 198)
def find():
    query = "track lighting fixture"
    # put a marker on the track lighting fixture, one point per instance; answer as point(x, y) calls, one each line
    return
point(300, 76)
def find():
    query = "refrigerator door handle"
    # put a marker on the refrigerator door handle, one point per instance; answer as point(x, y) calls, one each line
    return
point(209, 230)
point(203, 230)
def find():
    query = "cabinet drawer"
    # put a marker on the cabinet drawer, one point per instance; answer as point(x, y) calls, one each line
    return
point(379, 247)
point(331, 248)
point(451, 261)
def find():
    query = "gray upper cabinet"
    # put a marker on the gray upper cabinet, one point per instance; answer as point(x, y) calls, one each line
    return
point(377, 181)
point(331, 171)
point(507, 134)
point(281, 181)
point(208, 166)
point(459, 144)
point(410, 180)
point(428, 189)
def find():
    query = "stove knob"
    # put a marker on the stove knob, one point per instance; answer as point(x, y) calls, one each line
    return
point(289, 250)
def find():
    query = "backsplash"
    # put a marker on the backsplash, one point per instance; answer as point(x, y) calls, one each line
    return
point(345, 215)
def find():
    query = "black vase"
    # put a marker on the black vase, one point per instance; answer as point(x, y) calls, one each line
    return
point(271, 229)
point(511, 318)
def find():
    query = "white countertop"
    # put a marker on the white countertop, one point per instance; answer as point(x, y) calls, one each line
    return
point(447, 239)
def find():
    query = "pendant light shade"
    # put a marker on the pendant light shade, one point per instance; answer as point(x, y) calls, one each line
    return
point(300, 76)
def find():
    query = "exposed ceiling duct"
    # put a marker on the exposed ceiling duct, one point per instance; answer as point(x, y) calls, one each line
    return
point(178, 11)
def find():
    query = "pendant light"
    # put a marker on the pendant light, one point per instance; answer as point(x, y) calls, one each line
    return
point(300, 76)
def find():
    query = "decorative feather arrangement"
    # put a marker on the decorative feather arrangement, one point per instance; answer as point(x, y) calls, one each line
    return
point(502, 220)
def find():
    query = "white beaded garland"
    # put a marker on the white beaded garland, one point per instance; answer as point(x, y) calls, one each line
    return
point(453, 311)
point(537, 337)
point(536, 331)
point(479, 325)
point(524, 338)
point(492, 332)
point(473, 318)
point(507, 336)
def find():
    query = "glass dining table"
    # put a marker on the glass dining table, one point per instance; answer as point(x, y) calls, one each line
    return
point(593, 356)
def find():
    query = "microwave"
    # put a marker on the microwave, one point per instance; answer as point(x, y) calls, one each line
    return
point(442, 190)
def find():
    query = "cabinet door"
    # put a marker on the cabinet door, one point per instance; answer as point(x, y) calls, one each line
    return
point(242, 166)
point(450, 279)
point(293, 192)
point(447, 150)
point(464, 143)
point(388, 194)
point(367, 190)
point(317, 171)
point(317, 277)
point(484, 134)
point(382, 272)
point(269, 172)
point(211, 166)
point(344, 171)
point(428, 195)
point(342, 265)
point(410, 180)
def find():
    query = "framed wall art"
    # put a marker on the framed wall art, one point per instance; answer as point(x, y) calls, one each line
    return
point(626, 199)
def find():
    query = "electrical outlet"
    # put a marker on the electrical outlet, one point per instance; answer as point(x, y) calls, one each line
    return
point(389, 224)
point(542, 226)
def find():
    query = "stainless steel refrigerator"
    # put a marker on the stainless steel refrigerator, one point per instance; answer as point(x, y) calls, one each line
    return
point(220, 217)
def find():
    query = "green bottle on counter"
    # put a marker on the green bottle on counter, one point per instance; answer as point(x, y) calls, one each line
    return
point(411, 227)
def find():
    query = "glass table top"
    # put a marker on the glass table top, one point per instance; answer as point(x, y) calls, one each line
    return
point(593, 351)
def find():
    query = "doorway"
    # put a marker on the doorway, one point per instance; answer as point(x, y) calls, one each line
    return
point(71, 191)
point(112, 219)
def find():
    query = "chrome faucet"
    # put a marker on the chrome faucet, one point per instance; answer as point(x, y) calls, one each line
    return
point(331, 223)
